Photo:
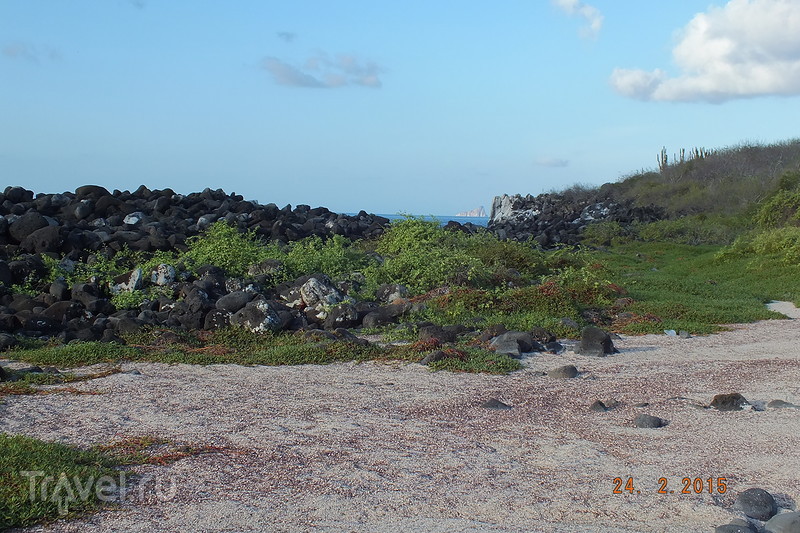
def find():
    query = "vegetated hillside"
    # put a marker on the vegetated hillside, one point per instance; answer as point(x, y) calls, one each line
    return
point(699, 197)
point(707, 197)
point(725, 181)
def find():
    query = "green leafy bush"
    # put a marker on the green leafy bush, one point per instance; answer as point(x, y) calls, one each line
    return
point(782, 209)
point(422, 255)
point(782, 244)
point(506, 260)
point(411, 233)
point(335, 257)
point(693, 230)
point(604, 234)
point(128, 299)
point(224, 246)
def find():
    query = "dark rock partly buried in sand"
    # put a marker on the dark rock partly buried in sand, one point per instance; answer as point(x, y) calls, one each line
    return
point(649, 421)
point(491, 332)
point(736, 526)
point(494, 403)
point(6, 341)
point(515, 343)
point(756, 503)
point(436, 332)
point(595, 342)
point(729, 402)
point(563, 372)
point(783, 523)
point(780, 404)
point(432, 357)
point(554, 348)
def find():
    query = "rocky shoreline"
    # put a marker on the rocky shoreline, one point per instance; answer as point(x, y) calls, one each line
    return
point(92, 224)
point(81, 226)
point(555, 219)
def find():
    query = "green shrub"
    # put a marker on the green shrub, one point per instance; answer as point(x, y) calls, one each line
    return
point(505, 257)
point(128, 299)
point(604, 233)
point(789, 181)
point(422, 255)
point(411, 233)
point(335, 257)
point(782, 209)
point(693, 230)
point(224, 246)
point(782, 244)
point(424, 269)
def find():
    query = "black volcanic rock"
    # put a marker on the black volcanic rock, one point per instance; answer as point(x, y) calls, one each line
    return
point(93, 223)
point(554, 218)
point(23, 226)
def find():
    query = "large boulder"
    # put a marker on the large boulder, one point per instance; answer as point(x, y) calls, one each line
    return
point(261, 316)
point(234, 301)
point(515, 343)
point(756, 503)
point(389, 292)
point(46, 239)
point(783, 523)
point(7, 341)
point(6, 277)
point(318, 290)
point(729, 402)
point(163, 275)
point(342, 316)
point(63, 311)
point(595, 342)
point(25, 225)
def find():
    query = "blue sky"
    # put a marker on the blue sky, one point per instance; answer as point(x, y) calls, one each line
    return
point(419, 107)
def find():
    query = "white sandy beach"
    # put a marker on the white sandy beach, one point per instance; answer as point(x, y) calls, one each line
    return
point(395, 447)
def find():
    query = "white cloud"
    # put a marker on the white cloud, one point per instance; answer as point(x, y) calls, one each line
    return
point(320, 71)
point(744, 49)
point(592, 15)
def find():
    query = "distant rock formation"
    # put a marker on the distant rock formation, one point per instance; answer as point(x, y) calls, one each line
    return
point(477, 212)
point(553, 219)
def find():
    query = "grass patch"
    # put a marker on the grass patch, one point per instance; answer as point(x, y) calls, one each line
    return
point(478, 360)
point(226, 346)
point(31, 382)
point(56, 467)
point(693, 288)
point(75, 354)
point(44, 481)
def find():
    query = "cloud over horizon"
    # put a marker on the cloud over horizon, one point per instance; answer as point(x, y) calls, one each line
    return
point(322, 72)
point(744, 49)
point(592, 16)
